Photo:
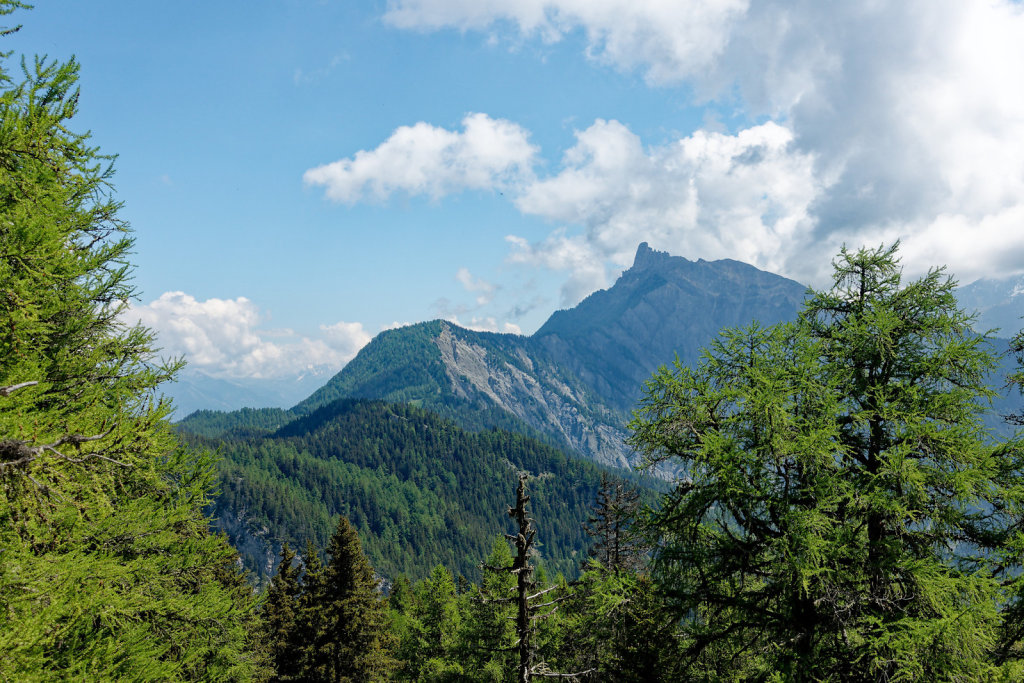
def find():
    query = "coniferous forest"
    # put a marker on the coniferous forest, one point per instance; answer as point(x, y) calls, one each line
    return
point(841, 513)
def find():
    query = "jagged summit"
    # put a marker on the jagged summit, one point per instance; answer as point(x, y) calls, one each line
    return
point(663, 306)
point(650, 258)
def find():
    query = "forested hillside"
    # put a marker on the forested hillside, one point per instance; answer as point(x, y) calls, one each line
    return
point(482, 380)
point(420, 490)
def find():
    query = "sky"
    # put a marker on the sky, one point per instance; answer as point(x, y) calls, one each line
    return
point(302, 174)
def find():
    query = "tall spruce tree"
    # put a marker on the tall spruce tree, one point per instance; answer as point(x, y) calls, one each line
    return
point(351, 639)
point(109, 570)
point(280, 618)
point(844, 515)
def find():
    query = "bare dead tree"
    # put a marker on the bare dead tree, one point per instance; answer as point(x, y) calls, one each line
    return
point(528, 610)
point(617, 546)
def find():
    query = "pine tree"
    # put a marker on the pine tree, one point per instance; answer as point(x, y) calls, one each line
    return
point(843, 513)
point(350, 638)
point(280, 618)
point(109, 569)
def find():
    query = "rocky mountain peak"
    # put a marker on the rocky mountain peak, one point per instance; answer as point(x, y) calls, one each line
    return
point(647, 258)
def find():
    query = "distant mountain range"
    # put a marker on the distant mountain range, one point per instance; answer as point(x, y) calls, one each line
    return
point(575, 381)
point(999, 303)
point(196, 390)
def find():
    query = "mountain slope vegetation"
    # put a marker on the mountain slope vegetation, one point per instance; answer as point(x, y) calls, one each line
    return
point(420, 490)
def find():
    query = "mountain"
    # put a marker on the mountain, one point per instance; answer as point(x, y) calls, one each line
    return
point(576, 380)
point(999, 303)
point(482, 380)
point(663, 306)
point(195, 390)
point(418, 438)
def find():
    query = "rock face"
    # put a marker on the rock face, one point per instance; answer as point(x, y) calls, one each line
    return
point(536, 392)
point(577, 379)
point(250, 539)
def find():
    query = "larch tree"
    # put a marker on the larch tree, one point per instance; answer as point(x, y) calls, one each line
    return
point(488, 636)
point(109, 569)
point(843, 513)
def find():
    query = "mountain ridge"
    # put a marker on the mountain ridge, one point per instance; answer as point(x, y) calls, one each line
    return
point(576, 379)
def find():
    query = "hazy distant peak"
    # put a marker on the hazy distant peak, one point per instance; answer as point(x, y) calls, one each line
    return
point(648, 258)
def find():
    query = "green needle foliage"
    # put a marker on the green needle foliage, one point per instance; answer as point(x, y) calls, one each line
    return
point(107, 568)
point(333, 625)
point(844, 514)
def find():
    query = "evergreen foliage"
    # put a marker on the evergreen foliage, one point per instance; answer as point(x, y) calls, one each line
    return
point(844, 516)
point(1016, 378)
point(488, 634)
point(350, 639)
point(281, 618)
point(333, 625)
point(247, 422)
point(615, 622)
point(420, 491)
point(428, 622)
point(109, 571)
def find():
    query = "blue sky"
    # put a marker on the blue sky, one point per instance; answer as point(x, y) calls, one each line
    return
point(301, 174)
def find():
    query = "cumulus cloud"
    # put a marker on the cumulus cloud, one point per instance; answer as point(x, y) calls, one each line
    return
point(891, 119)
point(423, 159)
point(224, 338)
point(713, 195)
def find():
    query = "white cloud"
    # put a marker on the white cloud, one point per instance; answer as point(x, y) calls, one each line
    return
point(423, 159)
point(743, 196)
point(223, 338)
point(483, 289)
point(891, 119)
point(669, 39)
point(346, 338)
